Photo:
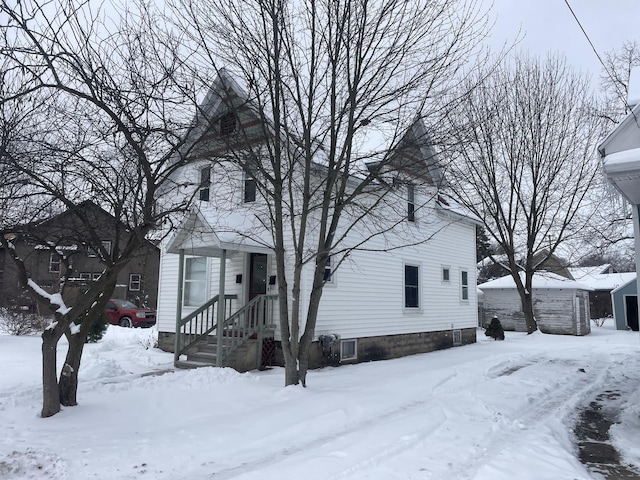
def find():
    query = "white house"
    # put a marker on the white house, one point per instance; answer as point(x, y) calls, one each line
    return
point(620, 154)
point(385, 299)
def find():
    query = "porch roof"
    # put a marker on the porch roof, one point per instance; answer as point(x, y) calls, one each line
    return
point(196, 236)
point(623, 170)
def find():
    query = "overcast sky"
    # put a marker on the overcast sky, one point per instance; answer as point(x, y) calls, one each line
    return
point(548, 25)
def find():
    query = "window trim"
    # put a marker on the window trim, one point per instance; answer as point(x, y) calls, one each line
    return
point(204, 187)
point(250, 182)
point(464, 285)
point(330, 277)
point(227, 123)
point(456, 337)
point(411, 203)
point(354, 341)
point(132, 282)
point(188, 302)
point(55, 259)
point(406, 307)
point(445, 278)
point(106, 244)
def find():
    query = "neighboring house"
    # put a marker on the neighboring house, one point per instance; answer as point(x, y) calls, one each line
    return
point(376, 305)
point(620, 154)
point(560, 305)
point(625, 305)
point(602, 281)
point(137, 282)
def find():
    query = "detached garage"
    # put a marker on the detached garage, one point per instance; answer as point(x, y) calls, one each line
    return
point(625, 306)
point(561, 305)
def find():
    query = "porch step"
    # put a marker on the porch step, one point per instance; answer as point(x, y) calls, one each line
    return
point(204, 354)
point(190, 364)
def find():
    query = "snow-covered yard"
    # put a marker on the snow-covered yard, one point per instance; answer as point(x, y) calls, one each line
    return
point(491, 411)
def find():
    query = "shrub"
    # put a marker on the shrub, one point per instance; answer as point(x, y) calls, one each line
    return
point(494, 330)
point(15, 321)
point(98, 329)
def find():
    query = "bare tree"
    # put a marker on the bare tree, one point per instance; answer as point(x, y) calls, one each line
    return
point(614, 79)
point(525, 162)
point(324, 78)
point(90, 113)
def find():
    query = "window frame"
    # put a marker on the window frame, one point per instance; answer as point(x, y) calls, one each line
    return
point(353, 341)
point(411, 203)
point(329, 278)
point(446, 278)
point(188, 299)
point(417, 287)
point(132, 282)
point(250, 183)
point(464, 285)
point(227, 123)
point(106, 244)
point(204, 187)
point(55, 259)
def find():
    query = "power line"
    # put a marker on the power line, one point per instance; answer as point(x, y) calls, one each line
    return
point(606, 69)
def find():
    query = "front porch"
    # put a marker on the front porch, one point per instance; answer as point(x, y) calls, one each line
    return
point(236, 327)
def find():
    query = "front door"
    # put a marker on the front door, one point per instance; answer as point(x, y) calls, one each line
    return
point(632, 311)
point(257, 275)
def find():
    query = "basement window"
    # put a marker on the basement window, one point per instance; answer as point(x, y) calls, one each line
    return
point(457, 337)
point(348, 349)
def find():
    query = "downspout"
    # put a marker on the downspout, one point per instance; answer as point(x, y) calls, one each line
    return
point(176, 343)
point(221, 309)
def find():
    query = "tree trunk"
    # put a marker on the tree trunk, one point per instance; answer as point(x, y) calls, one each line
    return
point(290, 370)
point(529, 317)
point(50, 393)
point(68, 384)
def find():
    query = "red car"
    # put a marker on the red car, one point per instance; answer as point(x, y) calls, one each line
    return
point(127, 314)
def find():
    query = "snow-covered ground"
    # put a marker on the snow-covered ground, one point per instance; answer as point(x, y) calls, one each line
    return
point(490, 411)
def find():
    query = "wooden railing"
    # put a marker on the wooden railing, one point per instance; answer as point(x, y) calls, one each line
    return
point(255, 318)
point(200, 323)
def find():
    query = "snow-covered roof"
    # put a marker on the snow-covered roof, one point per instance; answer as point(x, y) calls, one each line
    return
point(607, 281)
point(542, 280)
point(619, 287)
point(581, 272)
point(233, 232)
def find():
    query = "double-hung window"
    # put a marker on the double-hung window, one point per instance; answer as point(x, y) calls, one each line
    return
point(205, 184)
point(54, 263)
point(411, 286)
point(135, 282)
point(411, 205)
point(328, 271)
point(464, 285)
point(195, 281)
point(250, 184)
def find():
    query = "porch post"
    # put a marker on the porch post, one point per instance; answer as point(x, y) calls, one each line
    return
point(176, 344)
point(221, 309)
point(636, 234)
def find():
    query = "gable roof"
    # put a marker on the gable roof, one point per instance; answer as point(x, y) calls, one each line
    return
point(541, 280)
point(607, 281)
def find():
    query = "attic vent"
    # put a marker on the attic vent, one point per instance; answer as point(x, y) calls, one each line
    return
point(457, 337)
point(228, 123)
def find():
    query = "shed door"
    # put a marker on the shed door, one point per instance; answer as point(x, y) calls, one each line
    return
point(631, 309)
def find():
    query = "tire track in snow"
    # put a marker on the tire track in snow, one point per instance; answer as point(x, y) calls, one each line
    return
point(497, 439)
point(355, 429)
